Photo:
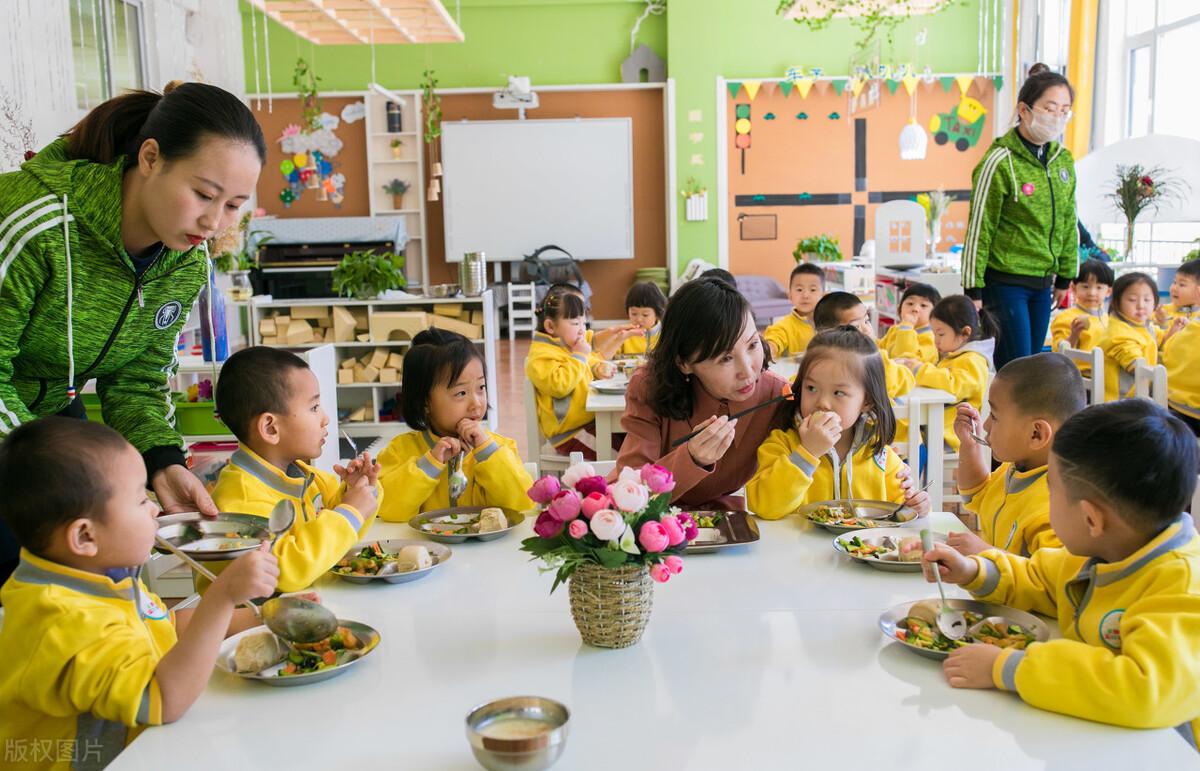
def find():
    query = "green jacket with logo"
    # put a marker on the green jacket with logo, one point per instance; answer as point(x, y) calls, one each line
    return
point(58, 218)
point(1022, 220)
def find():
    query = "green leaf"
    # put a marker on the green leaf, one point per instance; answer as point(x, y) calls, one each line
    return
point(611, 559)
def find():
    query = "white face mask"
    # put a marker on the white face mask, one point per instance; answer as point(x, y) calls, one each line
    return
point(1044, 126)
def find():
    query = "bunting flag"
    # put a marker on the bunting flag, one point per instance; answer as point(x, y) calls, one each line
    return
point(947, 83)
point(822, 87)
point(786, 87)
point(768, 88)
point(964, 83)
point(856, 85)
point(910, 83)
point(839, 85)
point(733, 86)
point(999, 81)
point(804, 85)
point(892, 85)
point(982, 81)
point(751, 87)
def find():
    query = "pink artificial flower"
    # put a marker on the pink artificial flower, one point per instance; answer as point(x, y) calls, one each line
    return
point(571, 477)
point(577, 529)
point(690, 529)
point(608, 525)
point(1147, 181)
point(565, 506)
point(629, 496)
point(544, 490)
point(629, 474)
point(660, 573)
point(653, 537)
point(594, 484)
point(547, 526)
point(674, 564)
point(657, 478)
point(673, 530)
point(594, 502)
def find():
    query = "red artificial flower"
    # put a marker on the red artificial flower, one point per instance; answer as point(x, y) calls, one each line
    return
point(1147, 181)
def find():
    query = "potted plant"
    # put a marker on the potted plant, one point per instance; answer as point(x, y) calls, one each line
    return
point(935, 204)
point(366, 275)
point(235, 252)
point(397, 149)
point(1136, 189)
point(609, 543)
point(822, 248)
point(397, 188)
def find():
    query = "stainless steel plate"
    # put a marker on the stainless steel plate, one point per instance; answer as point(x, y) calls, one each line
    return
point(890, 561)
point(437, 551)
point(271, 676)
point(438, 524)
point(890, 620)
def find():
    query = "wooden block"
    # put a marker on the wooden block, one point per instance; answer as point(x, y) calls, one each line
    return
point(397, 325)
point(318, 335)
point(343, 325)
point(359, 373)
point(360, 317)
point(364, 338)
point(266, 327)
point(270, 340)
point(328, 337)
point(388, 375)
point(349, 363)
point(477, 317)
point(379, 358)
point(282, 321)
point(299, 332)
point(370, 374)
point(465, 315)
point(310, 312)
point(448, 309)
point(358, 416)
point(395, 361)
point(471, 331)
point(345, 376)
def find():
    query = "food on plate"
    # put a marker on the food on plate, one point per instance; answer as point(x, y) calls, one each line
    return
point(1002, 633)
point(413, 557)
point(919, 628)
point(492, 519)
point(707, 518)
point(368, 562)
point(336, 649)
point(910, 549)
point(829, 514)
point(857, 547)
point(256, 652)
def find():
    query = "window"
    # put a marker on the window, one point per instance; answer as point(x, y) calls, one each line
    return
point(106, 40)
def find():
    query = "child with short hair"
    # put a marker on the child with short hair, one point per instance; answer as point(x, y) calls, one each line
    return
point(912, 337)
point(789, 335)
point(1185, 295)
point(91, 656)
point(844, 309)
point(1083, 324)
point(1130, 334)
point(832, 439)
point(644, 304)
point(444, 400)
point(1028, 401)
point(1179, 356)
point(271, 401)
point(1125, 589)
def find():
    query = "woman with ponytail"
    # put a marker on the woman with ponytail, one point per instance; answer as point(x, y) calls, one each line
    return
point(101, 257)
point(1022, 235)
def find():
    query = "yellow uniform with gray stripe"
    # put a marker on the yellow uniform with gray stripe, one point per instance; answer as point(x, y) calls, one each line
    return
point(643, 343)
point(1130, 653)
point(964, 374)
point(904, 341)
point(1060, 330)
point(1013, 509)
point(415, 481)
point(1123, 343)
point(790, 335)
point(560, 377)
point(324, 529)
point(1181, 357)
point(1173, 311)
point(79, 651)
point(789, 477)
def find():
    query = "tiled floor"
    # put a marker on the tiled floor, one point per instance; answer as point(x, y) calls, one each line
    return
point(510, 394)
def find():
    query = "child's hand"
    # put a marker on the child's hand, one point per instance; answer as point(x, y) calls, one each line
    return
point(966, 423)
point(602, 370)
point(361, 470)
point(910, 316)
point(629, 331)
point(473, 433)
point(446, 448)
point(819, 432)
point(912, 364)
point(709, 446)
point(971, 666)
point(1176, 326)
point(251, 575)
point(361, 498)
point(581, 344)
point(954, 567)
point(967, 543)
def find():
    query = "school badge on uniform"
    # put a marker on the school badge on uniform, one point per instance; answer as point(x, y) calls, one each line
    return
point(1110, 628)
point(1064, 175)
point(151, 609)
point(168, 314)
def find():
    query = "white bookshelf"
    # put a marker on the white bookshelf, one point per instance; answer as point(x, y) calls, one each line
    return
point(382, 167)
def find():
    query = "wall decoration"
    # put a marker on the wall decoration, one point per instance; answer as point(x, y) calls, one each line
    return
point(769, 116)
point(352, 113)
point(870, 17)
point(695, 201)
point(308, 147)
point(431, 103)
point(963, 125)
point(734, 87)
point(643, 59)
point(741, 128)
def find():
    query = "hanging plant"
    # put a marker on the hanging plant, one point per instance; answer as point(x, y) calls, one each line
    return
point(433, 107)
point(870, 17)
point(305, 82)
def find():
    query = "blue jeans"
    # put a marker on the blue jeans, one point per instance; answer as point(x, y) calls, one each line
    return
point(1023, 316)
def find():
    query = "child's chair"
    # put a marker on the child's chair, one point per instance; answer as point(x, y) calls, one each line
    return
point(1150, 382)
point(522, 309)
point(1094, 359)
point(603, 467)
point(539, 451)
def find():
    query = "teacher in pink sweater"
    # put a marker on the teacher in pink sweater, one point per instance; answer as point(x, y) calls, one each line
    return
point(709, 363)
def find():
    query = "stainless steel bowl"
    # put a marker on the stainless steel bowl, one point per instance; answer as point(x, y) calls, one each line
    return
point(529, 753)
point(221, 538)
point(441, 290)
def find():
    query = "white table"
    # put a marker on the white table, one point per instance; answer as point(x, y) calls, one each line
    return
point(763, 657)
point(608, 409)
point(925, 407)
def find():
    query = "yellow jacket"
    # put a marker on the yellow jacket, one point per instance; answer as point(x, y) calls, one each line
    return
point(324, 529)
point(80, 651)
point(1130, 653)
point(1189, 312)
point(415, 481)
point(897, 378)
point(790, 335)
point(903, 341)
point(1181, 357)
point(1123, 343)
point(965, 374)
point(643, 343)
point(1014, 510)
point(789, 477)
point(1060, 330)
point(561, 380)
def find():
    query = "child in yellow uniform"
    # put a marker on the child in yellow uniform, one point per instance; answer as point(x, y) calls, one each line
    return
point(444, 401)
point(1181, 357)
point(844, 309)
point(832, 440)
point(1028, 402)
point(1083, 324)
point(1130, 334)
point(1185, 296)
point(965, 339)
point(271, 401)
point(789, 335)
point(912, 337)
point(91, 657)
point(1125, 589)
point(644, 304)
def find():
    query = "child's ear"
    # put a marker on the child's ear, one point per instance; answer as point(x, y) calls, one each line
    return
point(547, 325)
point(1042, 435)
point(1095, 516)
point(967, 332)
point(266, 427)
point(684, 367)
point(81, 538)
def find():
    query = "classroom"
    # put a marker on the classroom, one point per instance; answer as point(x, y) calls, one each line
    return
point(593, 384)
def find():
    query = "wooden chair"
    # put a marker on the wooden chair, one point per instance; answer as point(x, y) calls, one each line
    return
point(1094, 359)
point(548, 461)
point(1150, 382)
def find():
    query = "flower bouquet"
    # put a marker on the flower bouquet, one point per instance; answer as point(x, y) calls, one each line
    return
point(609, 543)
point(1136, 189)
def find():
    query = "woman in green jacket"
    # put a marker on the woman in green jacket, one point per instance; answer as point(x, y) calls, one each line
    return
point(1022, 236)
point(101, 257)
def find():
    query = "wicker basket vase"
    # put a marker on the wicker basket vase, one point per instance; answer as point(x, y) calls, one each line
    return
point(611, 607)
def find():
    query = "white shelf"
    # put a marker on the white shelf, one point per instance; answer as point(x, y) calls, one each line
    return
point(381, 165)
point(419, 300)
point(397, 160)
point(393, 133)
point(369, 385)
point(399, 211)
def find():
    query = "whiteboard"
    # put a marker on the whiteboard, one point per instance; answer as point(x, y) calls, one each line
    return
point(511, 186)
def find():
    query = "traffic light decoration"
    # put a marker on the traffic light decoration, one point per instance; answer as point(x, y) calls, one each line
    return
point(741, 129)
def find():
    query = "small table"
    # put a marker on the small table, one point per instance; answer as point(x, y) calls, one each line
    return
point(926, 407)
point(608, 409)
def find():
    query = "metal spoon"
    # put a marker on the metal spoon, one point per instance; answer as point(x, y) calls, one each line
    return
point(351, 442)
point(951, 622)
point(458, 480)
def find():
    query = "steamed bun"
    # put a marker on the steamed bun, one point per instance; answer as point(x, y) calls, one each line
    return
point(492, 519)
point(413, 557)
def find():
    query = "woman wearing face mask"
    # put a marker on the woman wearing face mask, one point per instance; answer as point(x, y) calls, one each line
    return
point(1022, 238)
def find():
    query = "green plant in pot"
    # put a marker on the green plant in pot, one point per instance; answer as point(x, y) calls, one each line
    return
point(820, 248)
point(366, 275)
point(397, 149)
point(397, 188)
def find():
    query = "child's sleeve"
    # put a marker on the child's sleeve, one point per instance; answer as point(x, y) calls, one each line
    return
point(784, 475)
point(314, 545)
point(1122, 349)
point(499, 471)
point(898, 379)
point(892, 467)
point(970, 494)
point(776, 337)
point(901, 342)
point(407, 482)
point(1037, 532)
point(965, 375)
point(1025, 583)
point(558, 376)
point(1060, 328)
point(1149, 682)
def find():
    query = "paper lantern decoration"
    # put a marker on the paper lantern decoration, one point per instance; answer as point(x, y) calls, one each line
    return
point(326, 168)
point(328, 186)
point(294, 176)
point(300, 159)
point(287, 196)
point(741, 129)
point(913, 142)
point(286, 166)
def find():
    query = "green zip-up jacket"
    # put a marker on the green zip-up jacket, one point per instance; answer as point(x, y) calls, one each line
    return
point(1022, 219)
point(60, 218)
